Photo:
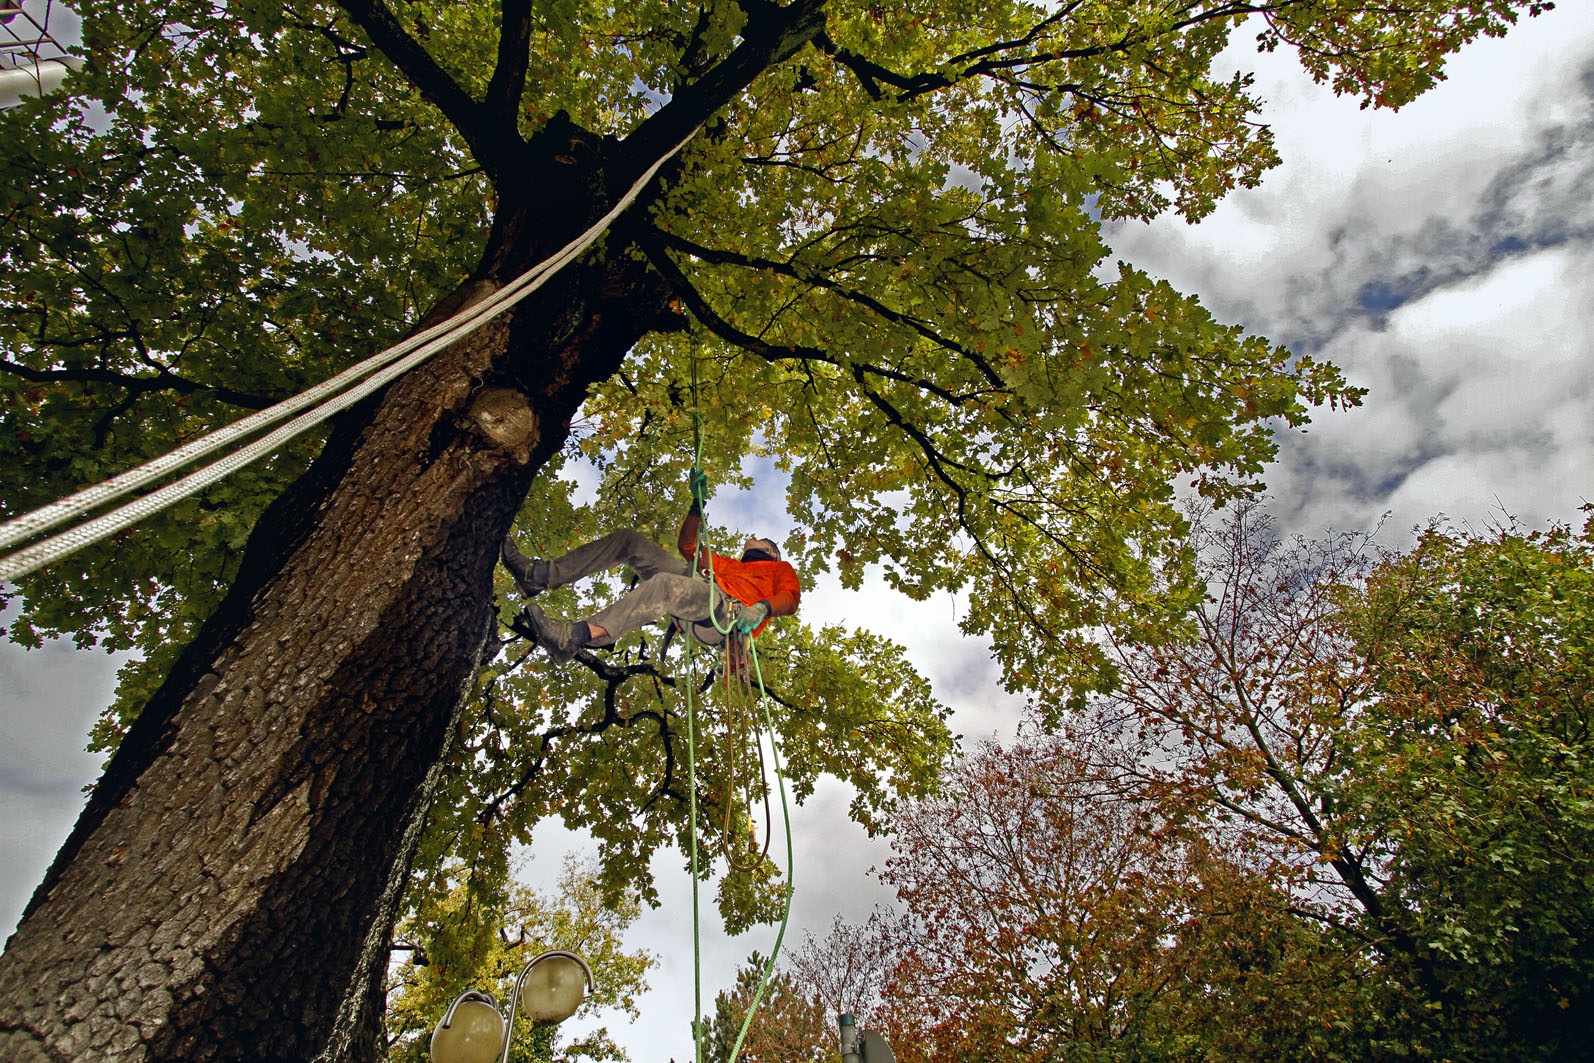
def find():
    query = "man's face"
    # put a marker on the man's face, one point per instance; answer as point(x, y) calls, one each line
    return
point(762, 546)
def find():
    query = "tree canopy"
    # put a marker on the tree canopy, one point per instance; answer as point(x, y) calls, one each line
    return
point(881, 260)
point(899, 223)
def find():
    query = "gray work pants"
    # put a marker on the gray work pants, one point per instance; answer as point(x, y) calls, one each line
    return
point(667, 588)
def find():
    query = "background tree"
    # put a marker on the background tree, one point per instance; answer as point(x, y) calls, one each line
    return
point(1052, 913)
point(1237, 723)
point(815, 983)
point(1472, 764)
point(847, 969)
point(790, 1025)
point(1398, 742)
point(883, 252)
point(479, 937)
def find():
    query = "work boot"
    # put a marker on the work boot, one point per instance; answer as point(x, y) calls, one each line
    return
point(560, 638)
point(530, 573)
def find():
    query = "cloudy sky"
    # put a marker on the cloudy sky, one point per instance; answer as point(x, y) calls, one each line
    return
point(1444, 256)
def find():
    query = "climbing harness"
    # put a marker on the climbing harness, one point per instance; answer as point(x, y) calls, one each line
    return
point(378, 370)
point(755, 672)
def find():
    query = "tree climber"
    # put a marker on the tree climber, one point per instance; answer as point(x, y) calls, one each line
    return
point(750, 589)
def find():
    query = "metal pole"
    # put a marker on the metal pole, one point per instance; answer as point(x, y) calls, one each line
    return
point(849, 1040)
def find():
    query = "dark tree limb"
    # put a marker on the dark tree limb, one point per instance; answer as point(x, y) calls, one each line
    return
point(137, 385)
point(491, 145)
point(775, 352)
point(997, 60)
point(615, 676)
point(772, 35)
point(818, 280)
point(509, 72)
point(346, 52)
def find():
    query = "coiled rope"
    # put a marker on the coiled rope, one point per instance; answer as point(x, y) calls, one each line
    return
point(739, 704)
point(378, 370)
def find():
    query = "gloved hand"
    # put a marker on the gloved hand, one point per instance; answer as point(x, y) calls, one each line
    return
point(749, 618)
point(697, 483)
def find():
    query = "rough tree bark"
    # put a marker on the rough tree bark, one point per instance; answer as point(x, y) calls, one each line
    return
point(229, 891)
point(239, 865)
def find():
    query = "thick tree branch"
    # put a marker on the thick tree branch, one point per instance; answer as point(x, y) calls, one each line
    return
point(872, 75)
point(772, 35)
point(509, 72)
point(818, 280)
point(775, 352)
point(490, 142)
point(995, 59)
point(138, 385)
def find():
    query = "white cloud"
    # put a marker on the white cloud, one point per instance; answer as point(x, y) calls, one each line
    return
point(1442, 256)
point(1365, 196)
point(1476, 389)
point(1527, 309)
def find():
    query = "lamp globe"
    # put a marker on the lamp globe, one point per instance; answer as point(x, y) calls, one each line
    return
point(471, 1032)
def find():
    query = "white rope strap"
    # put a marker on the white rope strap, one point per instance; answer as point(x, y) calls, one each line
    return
point(382, 368)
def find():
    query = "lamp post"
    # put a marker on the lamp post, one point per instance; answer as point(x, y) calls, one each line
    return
point(473, 1031)
point(33, 60)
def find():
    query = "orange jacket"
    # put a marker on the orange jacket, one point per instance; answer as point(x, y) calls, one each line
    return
point(751, 582)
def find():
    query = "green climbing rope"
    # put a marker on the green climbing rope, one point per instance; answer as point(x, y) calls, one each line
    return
point(785, 812)
point(691, 802)
point(691, 776)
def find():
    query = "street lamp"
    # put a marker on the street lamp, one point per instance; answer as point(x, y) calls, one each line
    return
point(473, 1031)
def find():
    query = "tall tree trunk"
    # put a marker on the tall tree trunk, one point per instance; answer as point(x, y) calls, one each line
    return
point(229, 891)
